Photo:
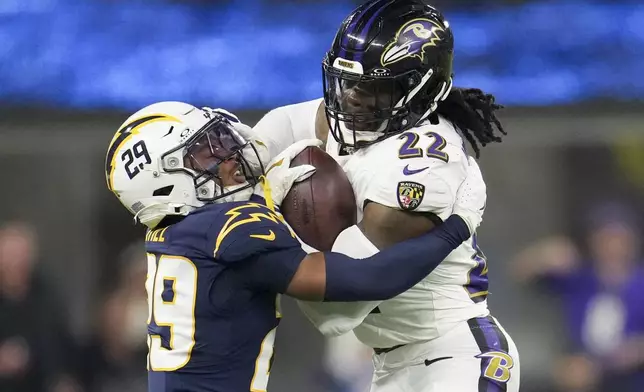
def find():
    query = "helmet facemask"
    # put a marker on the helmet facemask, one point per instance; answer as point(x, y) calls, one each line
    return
point(364, 109)
point(213, 157)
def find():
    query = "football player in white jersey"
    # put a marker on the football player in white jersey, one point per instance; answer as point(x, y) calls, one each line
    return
point(391, 118)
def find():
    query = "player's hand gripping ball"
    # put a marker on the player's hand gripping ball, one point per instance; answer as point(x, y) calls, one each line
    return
point(320, 207)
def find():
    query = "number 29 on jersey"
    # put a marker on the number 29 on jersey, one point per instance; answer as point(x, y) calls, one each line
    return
point(172, 294)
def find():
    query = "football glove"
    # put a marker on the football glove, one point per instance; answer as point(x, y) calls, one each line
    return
point(280, 176)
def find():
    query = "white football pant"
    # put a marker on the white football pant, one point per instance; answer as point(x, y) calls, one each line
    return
point(476, 356)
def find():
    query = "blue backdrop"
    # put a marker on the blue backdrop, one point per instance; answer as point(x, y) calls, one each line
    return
point(249, 54)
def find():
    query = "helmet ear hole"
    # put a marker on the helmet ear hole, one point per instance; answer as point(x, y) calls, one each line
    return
point(165, 191)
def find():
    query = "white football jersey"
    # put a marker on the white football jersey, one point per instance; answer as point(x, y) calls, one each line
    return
point(418, 170)
point(285, 125)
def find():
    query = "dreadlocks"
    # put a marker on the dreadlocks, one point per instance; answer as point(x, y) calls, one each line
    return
point(473, 113)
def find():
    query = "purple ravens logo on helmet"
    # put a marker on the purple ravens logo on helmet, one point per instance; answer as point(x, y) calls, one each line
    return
point(411, 39)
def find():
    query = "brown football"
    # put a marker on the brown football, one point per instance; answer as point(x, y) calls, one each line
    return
point(322, 206)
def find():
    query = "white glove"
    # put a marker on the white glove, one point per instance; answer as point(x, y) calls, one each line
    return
point(254, 160)
point(280, 176)
point(471, 197)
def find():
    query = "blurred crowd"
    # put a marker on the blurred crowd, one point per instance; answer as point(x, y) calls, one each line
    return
point(596, 286)
point(38, 352)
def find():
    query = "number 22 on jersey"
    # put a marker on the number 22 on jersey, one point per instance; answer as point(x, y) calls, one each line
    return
point(172, 294)
point(435, 150)
point(477, 280)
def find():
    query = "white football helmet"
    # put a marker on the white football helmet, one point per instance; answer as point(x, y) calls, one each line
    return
point(171, 157)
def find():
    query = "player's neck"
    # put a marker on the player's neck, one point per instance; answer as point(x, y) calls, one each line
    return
point(169, 220)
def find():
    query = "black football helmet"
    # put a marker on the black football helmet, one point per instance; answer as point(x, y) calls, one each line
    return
point(389, 66)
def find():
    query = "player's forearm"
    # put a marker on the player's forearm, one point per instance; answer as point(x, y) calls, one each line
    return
point(393, 270)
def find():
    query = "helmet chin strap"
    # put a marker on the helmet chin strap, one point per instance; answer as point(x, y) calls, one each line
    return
point(211, 189)
point(360, 136)
point(139, 212)
point(152, 214)
point(243, 195)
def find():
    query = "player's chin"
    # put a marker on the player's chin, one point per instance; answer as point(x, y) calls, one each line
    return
point(234, 179)
point(238, 177)
point(363, 125)
point(356, 126)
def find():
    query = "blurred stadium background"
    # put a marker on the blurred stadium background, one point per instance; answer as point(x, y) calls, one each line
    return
point(566, 187)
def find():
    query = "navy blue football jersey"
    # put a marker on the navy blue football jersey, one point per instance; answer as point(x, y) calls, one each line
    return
point(213, 286)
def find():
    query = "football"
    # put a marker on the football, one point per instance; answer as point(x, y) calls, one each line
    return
point(322, 206)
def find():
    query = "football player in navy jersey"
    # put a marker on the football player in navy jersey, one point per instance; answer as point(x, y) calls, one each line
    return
point(219, 253)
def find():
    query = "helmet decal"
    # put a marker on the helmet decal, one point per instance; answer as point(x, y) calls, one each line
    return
point(411, 40)
point(122, 136)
